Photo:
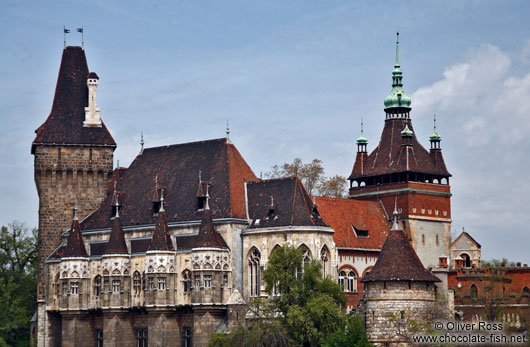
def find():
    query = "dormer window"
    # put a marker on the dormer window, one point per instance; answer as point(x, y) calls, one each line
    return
point(360, 232)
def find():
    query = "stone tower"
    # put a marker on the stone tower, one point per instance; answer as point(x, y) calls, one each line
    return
point(401, 169)
point(73, 156)
point(398, 290)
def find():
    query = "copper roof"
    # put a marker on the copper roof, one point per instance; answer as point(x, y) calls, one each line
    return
point(64, 125)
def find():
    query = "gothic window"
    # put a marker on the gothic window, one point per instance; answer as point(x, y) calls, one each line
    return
point(254, 272)
point(65, 288)
point(306, 257)
point(207, 281)
point(141, 337)
point(324, 258)
point(74, 286)
point(116, 286)
point(151, 281)
point(197, 281)
point(137, 283)
point(342, 275)
point(186, 337)
point(161, 283)
point(186, 281)
point(473, 291)
point(106, 285)
point(97, 285)
point(99, 338)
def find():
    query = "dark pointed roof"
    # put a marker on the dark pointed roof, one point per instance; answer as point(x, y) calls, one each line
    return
point(177, 167)
point(208, 236)
point(75, 246)
point(161, 241)
point(292, 204)
point(398, 261)
point(65, 122)
point(391, 157)
point(116, 244)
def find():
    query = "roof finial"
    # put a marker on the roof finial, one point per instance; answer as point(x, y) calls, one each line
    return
point(207, 198)
point(115, 186)
point(228, 132)
point(142, 142)
point(156, 181)
point(162, 201)
point(117, 163)
point(272, 202)
point(397, 50)
point(75, 210)
point(65, 31)
point(200, 178)
point(435, 122)
point(117, 207)
point(362, 126)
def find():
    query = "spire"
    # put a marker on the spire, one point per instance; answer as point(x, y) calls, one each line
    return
point(395, 225)
point(208, 236)
point(361, 140)
point(117, 205)
point(228, 132)
point(116, 244)
point(397, 103)
point(435, 138)
point(161, 240)
point(207, 207)
point(75, 246)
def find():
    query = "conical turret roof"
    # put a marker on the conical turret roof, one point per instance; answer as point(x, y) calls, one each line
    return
point(75, 246)
point(161, 240)
point(398, 261)
point(116, 244)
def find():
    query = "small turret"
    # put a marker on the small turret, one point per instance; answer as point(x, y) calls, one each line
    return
point(397, 103)
point(92, 111)
point(435, 138)
point(362, 141)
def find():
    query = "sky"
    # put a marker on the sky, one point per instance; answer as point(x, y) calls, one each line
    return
point(294, 80)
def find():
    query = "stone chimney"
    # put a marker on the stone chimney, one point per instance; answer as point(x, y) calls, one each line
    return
point(92, 111)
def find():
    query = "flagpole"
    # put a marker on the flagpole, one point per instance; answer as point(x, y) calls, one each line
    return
point(64, 34)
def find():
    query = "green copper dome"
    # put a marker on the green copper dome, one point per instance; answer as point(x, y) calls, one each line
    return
point(361, 139)
point(407, 131)
point(397, 97)
point(435, 136)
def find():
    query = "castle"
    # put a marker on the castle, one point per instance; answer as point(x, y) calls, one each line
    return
point(168, 250)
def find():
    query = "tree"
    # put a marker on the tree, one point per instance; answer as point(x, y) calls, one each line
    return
point(312, 177)
point(18, 283)
point(305, 310)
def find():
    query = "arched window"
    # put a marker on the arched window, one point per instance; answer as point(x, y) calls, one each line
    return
point(254, 272)
point(352, 282)
point(342, 275)
point(306, 258)
point(324, 258)
point(186, 281)
point(97, 285)
point(526, 291)
point(137, 283)
point(467, 259)
point(474, 291)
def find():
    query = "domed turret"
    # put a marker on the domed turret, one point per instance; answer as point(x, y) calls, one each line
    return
point(397, 103)
point(362, 141)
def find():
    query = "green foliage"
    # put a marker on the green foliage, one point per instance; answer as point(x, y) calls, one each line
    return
point(18, 283)
point(306, 313)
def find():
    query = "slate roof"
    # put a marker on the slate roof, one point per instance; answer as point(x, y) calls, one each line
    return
point(75, 246)
point(177, 168)
point(116, 243)
point(64, 125)
point(398, 261)
point(208, 236)
point(465, 234)
point(342, 215)
point(391, 157)
point(292, 204)
point(161, 241)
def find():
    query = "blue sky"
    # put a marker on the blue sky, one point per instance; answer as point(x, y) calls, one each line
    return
point(294, 79)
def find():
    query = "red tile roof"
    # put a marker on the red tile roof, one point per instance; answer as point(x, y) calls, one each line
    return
point(292, 204)
point(398, 262)
point(177, 168)
point(64, 125)
point(391, 157)
point(342, 214)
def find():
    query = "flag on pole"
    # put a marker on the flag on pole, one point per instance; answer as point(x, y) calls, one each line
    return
point(66, 31)
point(80, 30)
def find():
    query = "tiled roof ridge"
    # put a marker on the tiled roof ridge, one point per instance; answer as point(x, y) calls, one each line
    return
point(184, 144)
